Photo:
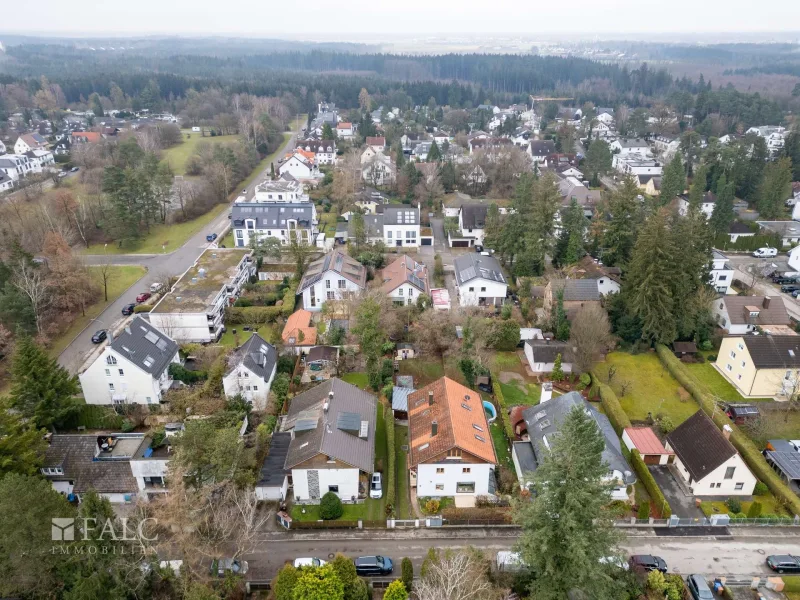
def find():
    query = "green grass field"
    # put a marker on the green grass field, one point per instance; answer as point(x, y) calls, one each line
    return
point(651, 388)
point(708, 376)
point(270, 333)
point(424, 371)
point(178, 156)
point(357, 379)
point(515, 394)
point(121, 279)
point(501, 445)
point(162, 238)
point(769, 506)
point(403, 507)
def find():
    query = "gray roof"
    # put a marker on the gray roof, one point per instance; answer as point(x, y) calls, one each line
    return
point(773, 351)
point(578, 290)
point(273, 470)
point(544, 422)
point(76, 455)
point(400, 215)
point(785, 456)
point(257, 355)
point(774, 313)
point(525, 457)
point(321, 434)
point(790, 229)
point(145, 346)
point(473, 265)
point(700, 445)
point(400, 398)
point(545, 351)
point(633, 143)
point(542, 147)
point(338, 262)
point(473, 216)
point(328, 353)
point(273, 216)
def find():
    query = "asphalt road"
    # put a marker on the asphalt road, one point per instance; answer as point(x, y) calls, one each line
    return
point(742, 264)
point(730, 556)
point(158, 266)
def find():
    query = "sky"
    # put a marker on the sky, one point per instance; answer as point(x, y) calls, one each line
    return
point(376, 19)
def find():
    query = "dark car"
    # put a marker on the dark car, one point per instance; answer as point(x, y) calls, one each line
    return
point(373, 565)
point(788, 289)
point(211, 237)
point(142, 297)
point(698, 587)
point(127, 310)
point(784, 563)
point(99, 336)
point(648, 562)
point(220, 567)
point(782, 280)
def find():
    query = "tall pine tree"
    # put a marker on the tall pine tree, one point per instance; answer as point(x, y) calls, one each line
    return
point(775, 188)
point(620, 235)
point(723, 216)
point(673, 181)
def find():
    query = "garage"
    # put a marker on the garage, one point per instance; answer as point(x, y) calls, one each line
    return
point(426, 241)
point(647, 443)
point(459, 244)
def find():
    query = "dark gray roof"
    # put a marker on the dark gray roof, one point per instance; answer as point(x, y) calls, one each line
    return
point(338, 262)
point(373, 226)
point(545, 351)
point(544, 422)
point(577, 290)
point(633, 143)
point(788, 229)
point(699, 445)
point(400, 215)
point(774, 351)
point(76, 455)
point(274, 216)
point(329, 353)
point(473, 216)
point(273, 470)
point(739, 227)
point(525, 457)
point(257, 355)
point(473, 265)
point(542, 147)
point(785, 456)
point(325, 437)
point(145, 346)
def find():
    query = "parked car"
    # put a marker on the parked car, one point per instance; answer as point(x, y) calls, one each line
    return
point(99, 336)
point(648, 562)
point(765, 252)
point(74, 169)
point(698, 587)
point(143, 297)
point(795, 293)
point(788, 289)
point(784, 563)
point(127, 310)
point(375, 488)
point(222, 566)
point(156, 287)
point(373, 565)
point(211, 237)
point(309, 562)
point(62, 174)
point(780, 280)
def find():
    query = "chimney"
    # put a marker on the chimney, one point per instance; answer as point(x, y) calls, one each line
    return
point(430, 398)
point(726, 431)
point(434, 428)
point(765, 304)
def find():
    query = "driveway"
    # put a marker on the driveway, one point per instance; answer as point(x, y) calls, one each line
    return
point(682, 505)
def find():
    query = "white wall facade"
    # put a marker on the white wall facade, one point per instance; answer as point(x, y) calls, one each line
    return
point(721, 278)
point(442, 479)
point(250, 386)
point(150, 467)
point(121, 381)
point(304, 235)
point(723, 320)
point(296, 168)
point(794, 256)
point(274, 493)
point(345, 479)
point(606, 285)
point(405, 294)
point(406, 236)
point(186, 327)
point(330, 287)
point(741, 483)
point(471, 292)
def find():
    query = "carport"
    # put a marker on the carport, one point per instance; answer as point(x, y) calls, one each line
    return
point(783, 456)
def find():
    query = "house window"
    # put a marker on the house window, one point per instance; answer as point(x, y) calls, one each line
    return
point(121, 373)
point(739, 377)
point(333, 488)
point(483, 289)
point(739, 486)
point(389, 234)
point(741, 346)
point(327, 284)
point(400, 292)
point(454, 453)
point(111, 360)
point(729, 472)
point(342, 284)
point(108, 372)
point(723, 277)
point(439, 470)
point(255, 388)
point(149, 399)
point(465, 488)
point(439, 487)
point(733, 354)
point(730, 368)
point(331, 295)
point(466, 470)
point(472, 289)
point(743, 364)
point(111, 387)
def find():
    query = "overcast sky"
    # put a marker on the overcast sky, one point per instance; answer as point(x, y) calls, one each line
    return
point(291, 18)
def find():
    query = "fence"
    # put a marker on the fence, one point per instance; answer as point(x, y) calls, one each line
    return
point(477, 523)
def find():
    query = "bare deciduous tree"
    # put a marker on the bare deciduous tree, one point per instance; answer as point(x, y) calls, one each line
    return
point(32, 281)
point(454, 576)
point(590, 335)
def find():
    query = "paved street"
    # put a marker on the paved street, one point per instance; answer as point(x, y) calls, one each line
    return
point(741, 262)
point(158, 266)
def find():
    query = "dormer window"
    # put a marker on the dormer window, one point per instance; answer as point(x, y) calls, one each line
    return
point(111, 360)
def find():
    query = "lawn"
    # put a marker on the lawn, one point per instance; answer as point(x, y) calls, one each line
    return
point(650, 387)
point(352, 512)
point(226, 241)
point(444, 502)
point(327, 222)
point(358, 379)
point(506, 361)
point(501, 445)
point(178, 156)
point(263, 165)
point(769, 506)
point(121, 279)
point(708, 376)
point(403, 507)
point(162, 238)
point(269, 332)
point(515, 394)
point(424, 371)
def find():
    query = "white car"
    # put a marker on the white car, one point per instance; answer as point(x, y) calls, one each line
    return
point(375, 487)
point(309, 562)
point(156, 287)
point(765, 252)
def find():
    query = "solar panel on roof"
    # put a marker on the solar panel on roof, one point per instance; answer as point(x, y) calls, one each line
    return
point(416, 281)
point(161, 344)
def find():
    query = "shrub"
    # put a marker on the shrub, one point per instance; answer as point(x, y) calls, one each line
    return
point(432, 506)
point(127, 426)
point(618, 508)
point(644, 510)
point(407, 573)
point(396, 591)
point(660, 504)
point(286, 364)
point(656, 582)
point(712, 358)
point(269, 423)
point(706, 345)
point(665, 424)
point(612, 407)
point(754, 511)
point(181, 373)
point(330, 507)
point(734, 505)
point(761, 489)
point(586, 380)
point(142, 308)
point(388, 417)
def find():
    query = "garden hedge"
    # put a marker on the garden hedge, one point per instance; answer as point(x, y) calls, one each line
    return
point(743, 444)
point(657, 499)
point(612, 406)
point(500, 403)
point(388, 417)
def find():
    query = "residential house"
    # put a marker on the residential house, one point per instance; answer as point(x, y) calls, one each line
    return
point(6, 183)
point(377, 143)
point(628, 146)
point(344, 130)
point(41, 160)
point(450, 445)
point(300, 167)
point(541, 355)
point(324, 151)
point(761, 366)
point(539, 150)
point(250, 372)
point(401, 226)
point(273, 479)
point(86, 137)
point(16, 166)
point(62, 146)
point(471, 224)
point(706, 461)
point(571, 189)
point(789, 231)
point(299, 335)
point(738, 315)
point(420, 151)
point(133, 368)
point(721, 272)
point(568, 170)
point(774, 136)
point(543, 424)
point(335, 276)
point(577, 294)
point(404, 280)
point(666, 146)
point(333, 442)
point(636, 164)
point(707, 205)
point(605, 115)
point(322, 357)
point(2, 148)
point(649, 184)
point(739, 229)
point(440, 137)
point(282, 190)
point(794, 259)
point(29, 141)
point(647, 443)
point(378, 170)
point(608, 279)
point(479, 280)
point(286, 222)
point(194, 309)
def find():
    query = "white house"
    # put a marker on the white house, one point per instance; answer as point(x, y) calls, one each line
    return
point(721, 272)
point(404, 280)
point(378, 170)
point(794, 258)
point(706, 207)
point(282, 190)
point(299, 167)
point(132, 369)
point(471, 224)
point(377, 143)
point(625, 147)
point(344, 130)
point(605, 117)
point(541, 355)
point(706, 460)
point(480, 280)
point(636, 164)
point(150, 466)
point(40, 160)
point(738, 315)
point(401, 226)
point(539, 150)
point(29, 141)
point(283, 221)
point(324, 150)
point(666, 146)
point(6, 183)
point(16, 166)
point(450, 450)
point(251, 370)
point(335, 276)
point(194, 309)
point(333, 441)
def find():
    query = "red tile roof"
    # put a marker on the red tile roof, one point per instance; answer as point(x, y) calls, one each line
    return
point(645, 441)
point(297, 322)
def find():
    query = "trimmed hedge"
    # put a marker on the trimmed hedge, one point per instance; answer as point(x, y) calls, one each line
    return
point(612, 406)
point(142, 308)
point(388, 418)
point(657, 499)
point(743, 444)
point(252, 315)
point(500, 403)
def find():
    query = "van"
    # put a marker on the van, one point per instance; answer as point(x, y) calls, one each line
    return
point(765, 252)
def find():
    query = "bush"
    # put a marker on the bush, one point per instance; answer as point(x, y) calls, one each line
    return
point(407, 573)
point(706, 345)
point(269, 423)
point(734, 505)
point(127, 426)
point(761, 489)
point(391, 475)
point(612, 407)
point(330, 507)
point(665, 424)
point(432, 506)
point(712, 358)
point(585, 379)
point(142, 308)
point(656, 582)
point(754, 511)
point(660, 505)
point(181, 373)
point(644, 510)
point(286, 364)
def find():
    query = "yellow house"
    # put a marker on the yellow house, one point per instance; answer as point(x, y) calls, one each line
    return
point(761, 365)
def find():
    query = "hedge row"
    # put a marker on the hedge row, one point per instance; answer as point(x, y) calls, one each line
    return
point(748, 243)
point(743, 444)
point(289, 299)
point(142, 308)
point(612, 406)
point(657, 499)
point(500, 403)
point(93, 416)
point(388, 417)
point(258, 315)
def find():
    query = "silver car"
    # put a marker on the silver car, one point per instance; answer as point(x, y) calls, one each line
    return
point(375, 487)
